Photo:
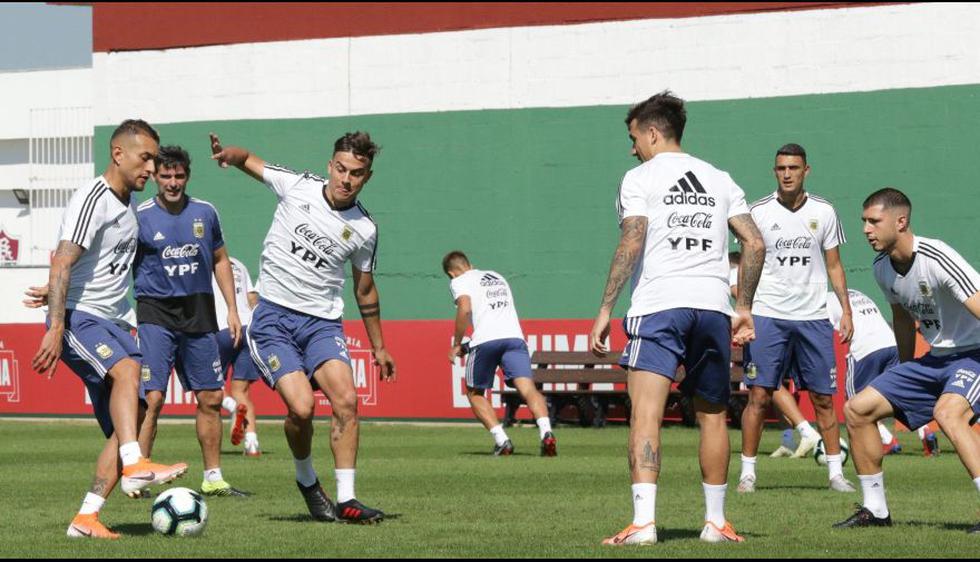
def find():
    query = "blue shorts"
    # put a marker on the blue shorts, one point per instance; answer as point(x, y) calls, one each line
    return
point(195, 357)
point(509, 354)
point(283, 341)
point(701, 340)
point(913, 387)
point(240, 359)
point(804, 348)
point(861, 373)
point(90, 347)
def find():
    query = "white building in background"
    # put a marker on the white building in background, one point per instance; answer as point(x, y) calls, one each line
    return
point(46, 132)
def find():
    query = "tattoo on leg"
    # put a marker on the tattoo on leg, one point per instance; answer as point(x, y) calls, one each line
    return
point(99, 486)
point(338, 429)
point(651, 458)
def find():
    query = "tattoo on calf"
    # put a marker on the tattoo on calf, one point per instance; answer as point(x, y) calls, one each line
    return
point(651, 458)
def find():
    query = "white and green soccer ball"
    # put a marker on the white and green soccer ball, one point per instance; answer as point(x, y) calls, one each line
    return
point(820, 453)
point(180, 512)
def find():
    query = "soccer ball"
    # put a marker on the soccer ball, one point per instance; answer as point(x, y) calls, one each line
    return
point(181, 512)
point(820, 454)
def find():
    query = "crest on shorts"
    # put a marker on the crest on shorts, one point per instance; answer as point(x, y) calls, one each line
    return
point(198, 228)
point(347, 233)
point(924, 289)
point(103, 350)
point(813, 225)
point(274, 363)
point(751, 371)
point(145, 373)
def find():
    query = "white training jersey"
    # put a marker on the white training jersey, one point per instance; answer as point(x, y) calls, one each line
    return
point(106, 227)
point(933, 291)
point(494, 313)
point(303, 256)
point(793, 285)
point(871, 331)
point(685, 259)
point(243, 286)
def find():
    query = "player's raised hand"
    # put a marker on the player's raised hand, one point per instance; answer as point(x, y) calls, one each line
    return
point(599, 334)
point(47, 355)
point(384, 360)
point(743, 327)
point(39, 297)
point(230, 156)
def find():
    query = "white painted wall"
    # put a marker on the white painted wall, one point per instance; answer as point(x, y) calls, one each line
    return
point(14, 282)
point(708, 58)
point(23, 91)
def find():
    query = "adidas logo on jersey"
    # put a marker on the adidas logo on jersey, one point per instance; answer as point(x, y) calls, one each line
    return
point(688, 191)
point(490, 280)
point(158, 236)
point(774, 228)
point(305, 207)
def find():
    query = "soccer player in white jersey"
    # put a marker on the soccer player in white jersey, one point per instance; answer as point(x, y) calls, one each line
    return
point(296, 336)
point(675, 212)
point(238, 358)
point(88, 318)
point(793, 335)
point(872, 351)
point(484, 299)
point(928, 282)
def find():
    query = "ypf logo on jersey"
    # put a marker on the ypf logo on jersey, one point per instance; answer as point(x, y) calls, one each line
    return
point(365, 371)
point(9, 375)
point(198, 228)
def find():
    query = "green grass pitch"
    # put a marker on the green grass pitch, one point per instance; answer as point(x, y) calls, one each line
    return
point(447, 497)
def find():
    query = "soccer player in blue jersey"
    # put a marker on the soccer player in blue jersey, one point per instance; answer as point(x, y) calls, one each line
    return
point(89, 318)
point(180, 246)
point(296, 336)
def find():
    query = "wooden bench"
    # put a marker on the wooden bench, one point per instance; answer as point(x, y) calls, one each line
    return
point(585, 371)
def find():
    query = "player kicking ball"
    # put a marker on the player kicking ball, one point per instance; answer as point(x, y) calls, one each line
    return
point(484, 299)
point(929, 283)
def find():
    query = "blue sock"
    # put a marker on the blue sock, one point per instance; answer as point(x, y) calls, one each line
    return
point(788, 441)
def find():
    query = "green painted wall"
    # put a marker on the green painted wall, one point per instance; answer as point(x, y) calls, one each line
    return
point(531, 192)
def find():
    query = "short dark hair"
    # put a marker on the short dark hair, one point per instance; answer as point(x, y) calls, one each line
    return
point(134, 127)
point(172, 156)
point(665, 111)
point(358, 143)
point(889, 197)
point(453, 260)
point(792, 149)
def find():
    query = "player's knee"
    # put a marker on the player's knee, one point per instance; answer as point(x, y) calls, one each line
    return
point(209, 401)
point(301, 411)
point(857, 412)
point(759, 399)
point(949, 413)
point(154, 403)
point(822, 401)
point(345, 405)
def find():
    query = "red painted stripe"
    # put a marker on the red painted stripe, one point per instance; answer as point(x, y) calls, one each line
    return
point(156, 25)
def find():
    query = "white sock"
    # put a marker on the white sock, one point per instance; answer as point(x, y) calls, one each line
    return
point(644, 504)
point(835, 467)
point(130, 453)
point(748, 467)
point(229, 404)
point(91, 504)
point(714, 503)
point(345, 484)
point(305, 474)
point(922, 432)
point(251, 438)
point(544, 426)
point(886, 436)
point(806, 430)
point(873, 487)
point(499, 435)
point(213, 475)
point(976, 482)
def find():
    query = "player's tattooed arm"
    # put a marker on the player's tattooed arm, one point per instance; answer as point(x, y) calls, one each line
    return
point(753, 258)
point(369, 303)
point(48, 353)
point(628, 252)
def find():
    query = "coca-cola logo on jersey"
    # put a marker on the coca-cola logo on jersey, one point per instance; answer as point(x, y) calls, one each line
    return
point(696, 220)
point(127, 246)
point(319, 241)
point(175, 252)
point(798, 243)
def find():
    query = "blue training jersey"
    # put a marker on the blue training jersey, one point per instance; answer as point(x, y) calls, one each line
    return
point(175, 255)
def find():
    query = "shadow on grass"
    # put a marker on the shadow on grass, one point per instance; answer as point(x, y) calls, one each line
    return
point(946, 526)
point(239, 453)
point(306, 518)
point(486, 454)
point(664, 534)
point(792, 487)
point(139, 529)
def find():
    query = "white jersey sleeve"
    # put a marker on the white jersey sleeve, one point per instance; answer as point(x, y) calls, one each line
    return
point(279, 179)
point(737, 204)
point(833, 232)
point(632, 201)
point(953, 272)
point(85, 215)
point(365, 258)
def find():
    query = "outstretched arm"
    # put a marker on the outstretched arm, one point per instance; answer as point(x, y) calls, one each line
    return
point(238, 157)
point(369, 303)
point(631, 243)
